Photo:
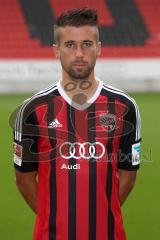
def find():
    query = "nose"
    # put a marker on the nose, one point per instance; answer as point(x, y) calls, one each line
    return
point(79, 51)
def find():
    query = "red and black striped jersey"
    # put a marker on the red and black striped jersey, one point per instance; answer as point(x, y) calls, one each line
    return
point(77, 150)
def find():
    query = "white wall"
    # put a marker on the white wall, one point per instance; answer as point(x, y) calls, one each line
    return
point(34, 75)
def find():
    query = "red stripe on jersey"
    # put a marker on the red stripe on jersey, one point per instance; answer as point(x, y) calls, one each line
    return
point(43, 207)
point(82, 180)
point(115, 203)
point(90, 190)
point(61, 174)
point(101, 202)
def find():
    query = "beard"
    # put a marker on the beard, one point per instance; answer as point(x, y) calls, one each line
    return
point(79, 73)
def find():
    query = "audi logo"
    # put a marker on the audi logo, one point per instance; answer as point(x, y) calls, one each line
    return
point(84, 150)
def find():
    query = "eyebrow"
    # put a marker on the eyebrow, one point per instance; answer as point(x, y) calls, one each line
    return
point(71, 41)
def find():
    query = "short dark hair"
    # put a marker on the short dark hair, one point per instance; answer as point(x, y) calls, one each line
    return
point(77, 17)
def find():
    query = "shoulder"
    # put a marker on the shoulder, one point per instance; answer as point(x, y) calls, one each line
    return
point(121, 96)
point(132, 112)
point(28, 107)
point(39, 98)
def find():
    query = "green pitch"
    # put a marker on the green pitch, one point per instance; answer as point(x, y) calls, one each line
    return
point(141, 212)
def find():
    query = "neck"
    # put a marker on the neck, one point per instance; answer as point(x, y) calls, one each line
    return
point(79, 90)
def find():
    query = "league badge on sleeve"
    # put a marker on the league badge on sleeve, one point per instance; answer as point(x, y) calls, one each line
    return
point(18, 149)
point(136, 154)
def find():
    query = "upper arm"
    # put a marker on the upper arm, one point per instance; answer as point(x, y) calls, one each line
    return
point(129, 176)
point(129, 154)
point(25, 178)
point(26, 141)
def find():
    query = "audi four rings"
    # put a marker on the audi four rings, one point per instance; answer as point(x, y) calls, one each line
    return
point(81, 149)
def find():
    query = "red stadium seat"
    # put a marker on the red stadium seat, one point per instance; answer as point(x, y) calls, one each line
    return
point(17, 40)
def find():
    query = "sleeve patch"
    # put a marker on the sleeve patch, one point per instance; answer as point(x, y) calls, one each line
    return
point(18, 151)
point(136, 154)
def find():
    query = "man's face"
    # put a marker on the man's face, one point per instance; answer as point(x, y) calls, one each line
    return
point(77, 50)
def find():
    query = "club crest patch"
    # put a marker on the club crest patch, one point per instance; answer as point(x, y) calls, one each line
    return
point(108, 120)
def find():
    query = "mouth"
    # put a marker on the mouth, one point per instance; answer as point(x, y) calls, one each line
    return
point(79, 64)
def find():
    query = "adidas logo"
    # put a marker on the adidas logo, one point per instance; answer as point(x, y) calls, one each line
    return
point(55, 124)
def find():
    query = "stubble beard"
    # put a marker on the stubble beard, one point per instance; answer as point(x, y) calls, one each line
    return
point(79, 74)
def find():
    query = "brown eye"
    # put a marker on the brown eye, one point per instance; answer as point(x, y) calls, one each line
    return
point(70, 45)
point(87, 44)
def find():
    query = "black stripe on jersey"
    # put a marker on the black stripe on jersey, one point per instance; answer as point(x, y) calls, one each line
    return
point(53, 186)
point(111, 109)
point(72, 177)
point(92, 175)
point(30, 151)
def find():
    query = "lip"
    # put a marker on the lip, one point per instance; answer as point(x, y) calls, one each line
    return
point(79, 64)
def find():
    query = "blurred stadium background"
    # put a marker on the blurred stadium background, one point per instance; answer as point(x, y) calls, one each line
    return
point(130, 60)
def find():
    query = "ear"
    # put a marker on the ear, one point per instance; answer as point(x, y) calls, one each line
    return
point(98, 49)
point(56, 50)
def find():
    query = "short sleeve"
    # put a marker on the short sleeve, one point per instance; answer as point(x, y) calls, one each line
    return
point(129, 149)
point(26, 140)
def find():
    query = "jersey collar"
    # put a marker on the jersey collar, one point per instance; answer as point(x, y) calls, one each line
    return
point(84, 106)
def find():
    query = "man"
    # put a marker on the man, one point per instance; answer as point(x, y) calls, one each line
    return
point(77, 143)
